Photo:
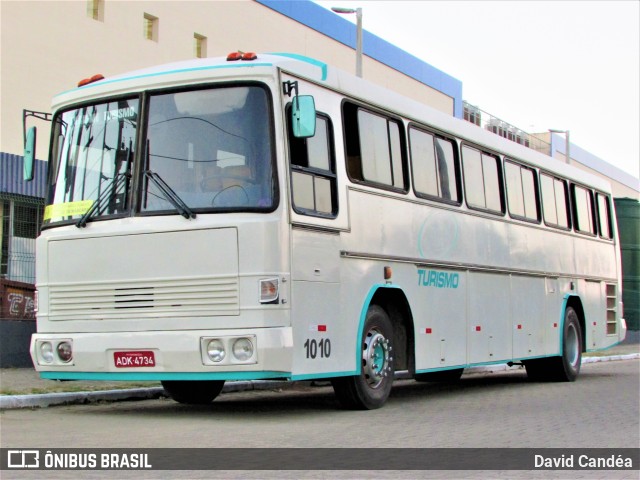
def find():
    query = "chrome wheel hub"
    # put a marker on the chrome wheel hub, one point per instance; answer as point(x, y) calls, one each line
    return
point(376, 358)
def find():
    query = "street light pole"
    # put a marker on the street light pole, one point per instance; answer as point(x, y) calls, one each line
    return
point(567, 147)
point(358, 12)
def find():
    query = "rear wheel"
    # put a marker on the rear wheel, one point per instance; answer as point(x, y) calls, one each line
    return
point(566, 367)
point(193, 392)
point(370, 389)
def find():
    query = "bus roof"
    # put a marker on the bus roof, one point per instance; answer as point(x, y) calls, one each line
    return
point(197, 71)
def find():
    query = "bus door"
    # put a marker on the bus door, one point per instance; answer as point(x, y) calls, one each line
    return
point(318, 215)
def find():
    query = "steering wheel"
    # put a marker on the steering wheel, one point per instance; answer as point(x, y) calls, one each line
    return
point(226, 189)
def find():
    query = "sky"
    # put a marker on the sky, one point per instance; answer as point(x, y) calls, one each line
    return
point(568, 65)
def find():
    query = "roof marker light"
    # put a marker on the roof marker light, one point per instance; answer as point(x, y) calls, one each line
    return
point(239, 55)
point(86, 81)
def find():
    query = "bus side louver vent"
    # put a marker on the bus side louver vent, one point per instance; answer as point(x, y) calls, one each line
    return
point(612, 300)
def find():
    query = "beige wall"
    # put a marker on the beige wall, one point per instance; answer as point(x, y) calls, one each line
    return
point(48, 46)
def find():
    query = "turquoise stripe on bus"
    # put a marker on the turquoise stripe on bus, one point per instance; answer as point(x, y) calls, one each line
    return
point(157, 376)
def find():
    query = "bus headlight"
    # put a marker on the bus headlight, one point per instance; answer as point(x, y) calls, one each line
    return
point(215, 350)
point(65, 351)
point(46, 352)
point(243, 349)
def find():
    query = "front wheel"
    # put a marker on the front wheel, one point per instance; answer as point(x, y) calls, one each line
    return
point(197, 392)
point(370, 389)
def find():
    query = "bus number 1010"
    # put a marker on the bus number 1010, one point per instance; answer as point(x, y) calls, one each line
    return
point(313, 348)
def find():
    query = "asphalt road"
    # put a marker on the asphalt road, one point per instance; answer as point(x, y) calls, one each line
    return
point(503, 410)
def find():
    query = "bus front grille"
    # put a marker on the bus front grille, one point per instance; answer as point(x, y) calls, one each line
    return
point(189, 297)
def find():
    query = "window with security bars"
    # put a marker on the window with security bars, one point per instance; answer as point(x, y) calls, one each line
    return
point(27, 220)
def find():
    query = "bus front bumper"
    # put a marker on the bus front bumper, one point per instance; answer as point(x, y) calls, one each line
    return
point(243, 354)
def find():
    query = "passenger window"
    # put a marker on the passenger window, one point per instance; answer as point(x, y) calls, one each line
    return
point(374, 147)
point(482, 180)
point(583, 210)
point(313, 177)
point(554, 201)
point(434, 166)
point(521, 192)
point(604, 216)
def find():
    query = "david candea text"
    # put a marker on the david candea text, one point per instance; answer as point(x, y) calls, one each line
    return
point(582, 461)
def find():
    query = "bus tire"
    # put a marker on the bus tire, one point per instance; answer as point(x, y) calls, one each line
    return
point(370, 389)
point(566, 367)
point(452, 375)
point(196, 392)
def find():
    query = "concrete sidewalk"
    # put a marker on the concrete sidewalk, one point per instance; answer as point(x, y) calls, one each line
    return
point(23, 387)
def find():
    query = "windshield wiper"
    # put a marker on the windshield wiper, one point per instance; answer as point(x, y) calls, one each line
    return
point(170, 195)
point(111, 191)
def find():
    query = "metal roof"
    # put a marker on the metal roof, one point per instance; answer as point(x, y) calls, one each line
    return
point(11, 182)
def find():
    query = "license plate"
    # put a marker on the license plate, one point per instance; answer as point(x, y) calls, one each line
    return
point(144, 358)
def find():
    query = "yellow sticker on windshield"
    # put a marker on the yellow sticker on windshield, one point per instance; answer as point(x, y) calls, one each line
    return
point(67, 209)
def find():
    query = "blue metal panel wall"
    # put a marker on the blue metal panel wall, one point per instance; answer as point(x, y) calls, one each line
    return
point(11, 167)
point(341, 30)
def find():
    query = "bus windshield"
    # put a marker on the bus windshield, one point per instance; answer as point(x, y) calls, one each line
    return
point(205, 150)
point(93, 151)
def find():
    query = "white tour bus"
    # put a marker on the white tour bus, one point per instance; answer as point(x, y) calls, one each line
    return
point(270, 217)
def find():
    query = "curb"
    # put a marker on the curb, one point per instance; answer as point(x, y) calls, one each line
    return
point(8, 402)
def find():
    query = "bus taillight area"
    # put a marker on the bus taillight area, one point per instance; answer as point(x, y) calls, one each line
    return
point(186, 355)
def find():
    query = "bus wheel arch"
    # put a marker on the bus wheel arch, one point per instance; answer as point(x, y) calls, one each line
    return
point(575, 303)
point(395, 303)
point(384, 334)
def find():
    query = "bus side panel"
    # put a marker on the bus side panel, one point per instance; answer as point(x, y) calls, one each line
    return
point(437, 299)
point(489, 321)
point(554, 313)
point(592, 295)
point(528, 316)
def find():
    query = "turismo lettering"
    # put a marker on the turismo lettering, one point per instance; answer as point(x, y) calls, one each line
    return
point(437, 279)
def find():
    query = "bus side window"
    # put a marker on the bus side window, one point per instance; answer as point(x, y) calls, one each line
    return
point(554, 201)
point(313, 175)
point(434, 166)
point(604, 216)
point(583, 210)
point(521, 192)
point(374, 148)
point(482, 180)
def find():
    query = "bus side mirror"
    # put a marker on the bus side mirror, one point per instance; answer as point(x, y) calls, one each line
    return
point(29, 154)
point(303, 116)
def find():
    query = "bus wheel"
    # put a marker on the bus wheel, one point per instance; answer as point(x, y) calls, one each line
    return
point(370, 389)
point(566, 367)
point(441, 376)
point(193, 392)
